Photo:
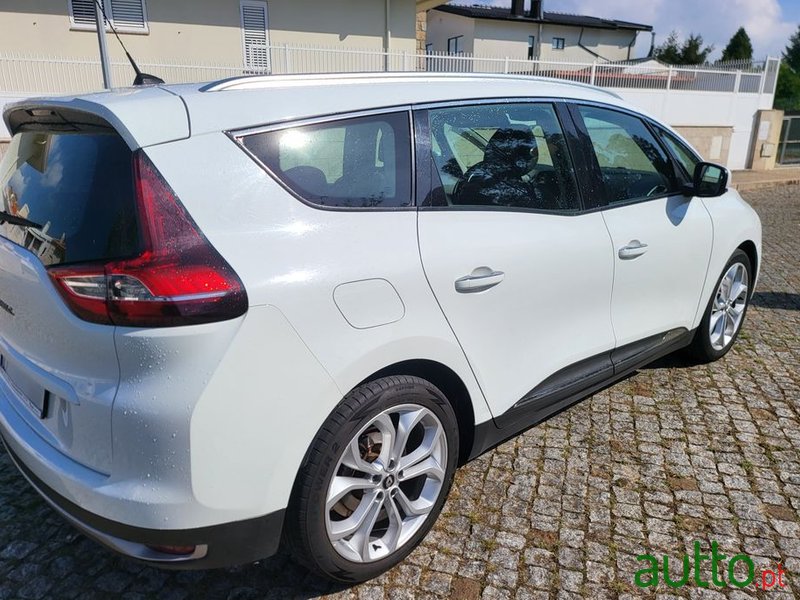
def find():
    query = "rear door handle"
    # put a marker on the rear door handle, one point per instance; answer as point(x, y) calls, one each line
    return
point(632, 250)
point(479, 280)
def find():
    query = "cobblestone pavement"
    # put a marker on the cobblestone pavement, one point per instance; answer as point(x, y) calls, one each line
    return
point(671, 455)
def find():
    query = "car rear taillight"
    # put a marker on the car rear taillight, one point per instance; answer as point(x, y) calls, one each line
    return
point(178, 279)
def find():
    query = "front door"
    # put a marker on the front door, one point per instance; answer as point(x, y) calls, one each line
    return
point(661, 238)
point(522, 275)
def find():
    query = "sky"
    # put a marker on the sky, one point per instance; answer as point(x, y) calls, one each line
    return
point(769, 23)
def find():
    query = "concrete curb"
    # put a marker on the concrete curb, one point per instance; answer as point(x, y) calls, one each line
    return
point(756, 185)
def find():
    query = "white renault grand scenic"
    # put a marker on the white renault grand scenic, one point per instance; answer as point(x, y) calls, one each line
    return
point(281, 310)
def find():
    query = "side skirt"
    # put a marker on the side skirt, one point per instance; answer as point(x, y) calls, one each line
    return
point(574, 383)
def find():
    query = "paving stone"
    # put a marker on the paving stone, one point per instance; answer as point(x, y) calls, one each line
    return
point(673, 454)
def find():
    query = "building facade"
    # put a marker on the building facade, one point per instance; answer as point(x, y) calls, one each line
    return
point(220, 31)
point(521, 33)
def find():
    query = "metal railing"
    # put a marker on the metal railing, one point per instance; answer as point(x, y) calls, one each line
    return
point(67, 75)
point(28, 74)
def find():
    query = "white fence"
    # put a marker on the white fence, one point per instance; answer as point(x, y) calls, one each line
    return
point(25, 74)
point(719, 96)
point(54, 75)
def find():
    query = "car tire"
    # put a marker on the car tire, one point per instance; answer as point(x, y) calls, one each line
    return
point(726, 311)
point(395, 488)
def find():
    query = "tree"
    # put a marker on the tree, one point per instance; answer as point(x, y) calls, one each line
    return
point(791, 55)
point(787, 92)
point(693, 53)
point(690, 52)
point(739, 48)
point(669, 52)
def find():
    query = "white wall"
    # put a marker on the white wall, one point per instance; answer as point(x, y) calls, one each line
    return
point(679, 108)
point(208, 30)
point(443, 26)
point(675, 108)
point(610, 45)
point(503, 38)
point(499, 38)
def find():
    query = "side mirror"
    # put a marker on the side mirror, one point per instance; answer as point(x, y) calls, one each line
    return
point(709, 181)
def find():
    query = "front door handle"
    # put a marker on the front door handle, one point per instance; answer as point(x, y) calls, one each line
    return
point(632, 250)
point(479, 280)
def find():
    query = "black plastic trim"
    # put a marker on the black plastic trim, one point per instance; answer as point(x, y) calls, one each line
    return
point(633, 354)
point(423, 184)
point(590, 187)
point(567, 381)
point(579, 381)
point(229, 544)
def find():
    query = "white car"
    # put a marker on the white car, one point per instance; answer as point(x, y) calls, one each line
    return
point(282, 310)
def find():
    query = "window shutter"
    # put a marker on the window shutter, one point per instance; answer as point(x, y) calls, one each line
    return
point(125, 15)
point(83, 12)
point(128, 14)
point(255, 31)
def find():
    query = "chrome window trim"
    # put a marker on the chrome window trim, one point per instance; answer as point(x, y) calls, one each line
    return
point(481, 101)
point(324, 118)
point(237, 134)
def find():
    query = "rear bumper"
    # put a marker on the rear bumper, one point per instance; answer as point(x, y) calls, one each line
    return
point(207, 441)
point(222, 545)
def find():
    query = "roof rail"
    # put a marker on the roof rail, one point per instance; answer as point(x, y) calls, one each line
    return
point(249, 82)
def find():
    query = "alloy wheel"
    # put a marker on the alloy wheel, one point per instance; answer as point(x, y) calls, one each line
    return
point(387, 482)
point(728, 308)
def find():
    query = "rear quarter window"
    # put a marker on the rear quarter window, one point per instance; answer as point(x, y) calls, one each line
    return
point(360, 162)
point(78, 187)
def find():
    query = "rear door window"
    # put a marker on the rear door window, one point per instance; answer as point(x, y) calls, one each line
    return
point(77, 188)
point(501, 156)
point(361, 162)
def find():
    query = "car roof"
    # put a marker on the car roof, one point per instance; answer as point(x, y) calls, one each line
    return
point(150, 115)
point(244, 102)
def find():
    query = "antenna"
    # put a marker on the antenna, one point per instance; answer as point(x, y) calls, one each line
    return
point(141, 78)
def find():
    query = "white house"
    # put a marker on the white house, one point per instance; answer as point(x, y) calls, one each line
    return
point(220, 31)
point(520, 33)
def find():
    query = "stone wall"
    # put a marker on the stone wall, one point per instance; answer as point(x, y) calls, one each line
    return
point(422, 28)
point(767, 134)
point(713, 143)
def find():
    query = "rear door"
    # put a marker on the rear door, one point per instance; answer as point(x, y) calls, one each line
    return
point(661, 238)
point(521, 271)
point(67, 199)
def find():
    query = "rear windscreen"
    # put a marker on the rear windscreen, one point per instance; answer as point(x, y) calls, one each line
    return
point(69, 197)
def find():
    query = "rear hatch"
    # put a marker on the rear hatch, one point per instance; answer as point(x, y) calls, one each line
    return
point(68, 198)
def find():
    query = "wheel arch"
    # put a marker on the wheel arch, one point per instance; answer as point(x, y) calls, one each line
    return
point(450, 384)
point(749, 248)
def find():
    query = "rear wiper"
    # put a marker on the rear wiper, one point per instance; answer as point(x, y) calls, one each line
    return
point(6, 217)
